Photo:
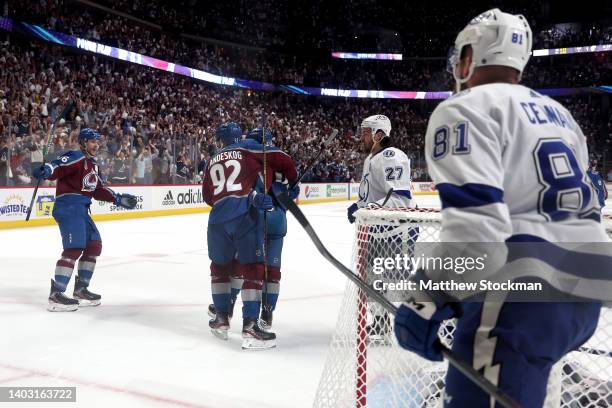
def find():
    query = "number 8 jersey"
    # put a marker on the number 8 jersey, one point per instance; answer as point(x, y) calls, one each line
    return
point(508, 161)
point(231, 174)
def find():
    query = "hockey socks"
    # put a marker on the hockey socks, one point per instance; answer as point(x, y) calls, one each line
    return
point(87, 263)
point(64, 268)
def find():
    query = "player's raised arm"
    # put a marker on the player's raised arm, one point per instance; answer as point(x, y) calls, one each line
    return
point(463, 148)
point(63, 166)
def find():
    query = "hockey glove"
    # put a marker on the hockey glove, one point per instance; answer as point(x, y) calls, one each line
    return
point(43, 172)
point(294, 193)
point(260, 201)
point(417, 324)
point(350, 211)
point(126, 201)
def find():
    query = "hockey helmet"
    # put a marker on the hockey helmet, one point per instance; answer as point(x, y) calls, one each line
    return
point(376, 123)
point(88, 134)
point(496, 38)
point(257, 135)
point(228, 133)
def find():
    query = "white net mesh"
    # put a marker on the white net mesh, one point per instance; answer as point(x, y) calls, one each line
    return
point(365, 365)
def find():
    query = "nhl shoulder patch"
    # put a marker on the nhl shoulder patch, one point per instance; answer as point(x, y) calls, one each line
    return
point(388, 153)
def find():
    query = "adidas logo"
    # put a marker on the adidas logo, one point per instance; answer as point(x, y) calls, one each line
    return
point(168, 199)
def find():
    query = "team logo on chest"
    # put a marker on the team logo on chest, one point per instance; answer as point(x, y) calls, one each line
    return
point(90, 181)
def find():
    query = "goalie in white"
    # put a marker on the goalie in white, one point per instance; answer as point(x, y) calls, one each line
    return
point(385, 182)
point(509, 164)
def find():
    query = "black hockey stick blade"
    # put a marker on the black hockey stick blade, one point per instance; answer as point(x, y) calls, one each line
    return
point(64, 112)
point(467, 370)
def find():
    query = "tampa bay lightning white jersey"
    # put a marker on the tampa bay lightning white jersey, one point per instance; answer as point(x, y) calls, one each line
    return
point(387, 169)
point(508, 161)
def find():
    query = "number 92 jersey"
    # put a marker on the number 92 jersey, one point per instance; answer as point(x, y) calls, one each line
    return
point(508, 161)
point(231, 175)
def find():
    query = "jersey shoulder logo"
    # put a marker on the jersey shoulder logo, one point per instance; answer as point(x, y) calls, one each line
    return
point(388, 153)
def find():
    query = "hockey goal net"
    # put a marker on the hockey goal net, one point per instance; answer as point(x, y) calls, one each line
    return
point(366, 367)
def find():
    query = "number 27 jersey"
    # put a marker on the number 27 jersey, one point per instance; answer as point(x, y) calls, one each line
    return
point(231, 175)
point(508, 161)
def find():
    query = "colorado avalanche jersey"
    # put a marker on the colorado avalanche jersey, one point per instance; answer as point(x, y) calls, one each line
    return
point(77, 179)
point(231, 174)
point(387, 169)
point(508, 161)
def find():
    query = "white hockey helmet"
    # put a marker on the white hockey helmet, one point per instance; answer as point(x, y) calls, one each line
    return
point(376, 123)
point(497, 38)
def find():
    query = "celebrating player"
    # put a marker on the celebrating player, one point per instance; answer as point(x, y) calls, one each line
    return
point(276, 231)
point(235, 227)
point(509, 164)
point(78, 182)
point(385, 181)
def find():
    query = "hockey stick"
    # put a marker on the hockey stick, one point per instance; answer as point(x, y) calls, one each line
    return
point(264, 303)
point(467, 370)
point(67, 109)
point(326, 143)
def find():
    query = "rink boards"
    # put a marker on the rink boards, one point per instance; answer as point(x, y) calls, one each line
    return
point(155, 201)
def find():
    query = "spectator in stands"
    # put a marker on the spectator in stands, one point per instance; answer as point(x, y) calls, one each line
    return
point(119, 173)
point(4, 162)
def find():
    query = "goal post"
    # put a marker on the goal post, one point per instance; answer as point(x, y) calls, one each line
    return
point(365, 366)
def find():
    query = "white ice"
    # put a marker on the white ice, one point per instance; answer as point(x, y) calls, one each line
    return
point(149, 344)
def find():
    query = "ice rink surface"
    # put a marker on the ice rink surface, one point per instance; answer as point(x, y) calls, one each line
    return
point(149, 344)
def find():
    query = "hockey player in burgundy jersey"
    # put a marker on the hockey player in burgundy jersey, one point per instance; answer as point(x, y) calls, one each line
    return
point(235, 227)
point(78, 182)
point(277, 229)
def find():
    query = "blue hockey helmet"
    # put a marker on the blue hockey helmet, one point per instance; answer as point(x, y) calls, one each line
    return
point(257, 135)
point(228, 133)
point(88, 134)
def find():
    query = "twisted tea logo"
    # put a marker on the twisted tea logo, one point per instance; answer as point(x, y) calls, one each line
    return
point(13, 206)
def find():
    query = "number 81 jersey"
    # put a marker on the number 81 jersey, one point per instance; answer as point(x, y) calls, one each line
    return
point(508, 161)
point(231, 174)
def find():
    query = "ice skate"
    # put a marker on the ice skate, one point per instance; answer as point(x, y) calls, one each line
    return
point(219, 326)
point(265, 320)
point(212, 311)
point(84, 296)
point(254, 337)
point(58, 302)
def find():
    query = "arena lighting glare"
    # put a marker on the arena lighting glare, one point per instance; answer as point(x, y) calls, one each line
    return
point(572, 50)
point(55, 37)
point(362, 55)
